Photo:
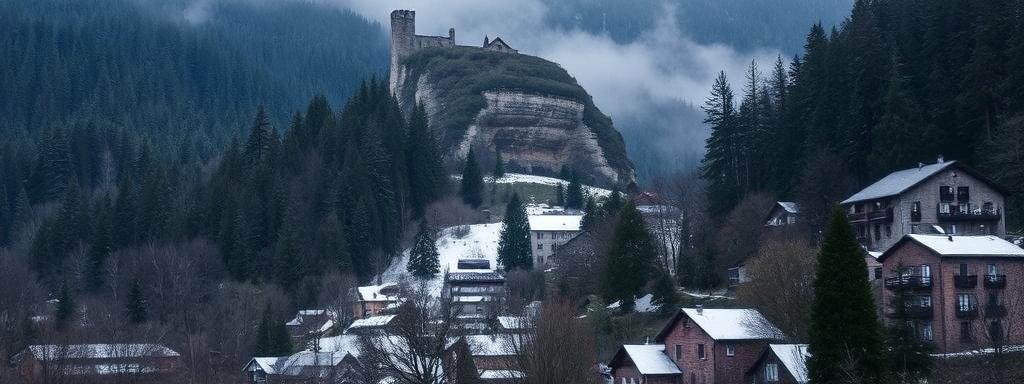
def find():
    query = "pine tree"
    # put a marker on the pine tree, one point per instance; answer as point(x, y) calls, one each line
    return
point(423, 258)
point(136, 307)
point(614, 202)
point(514, 244)
point(472, 182)
point(99, 246)
point(589, 214)
point(844, 324)
point(259, 144)
point(20, 213)
point(65, 306)
point(272, 336)
point(425, 174)
point(499, 166)
point(720, 166)
point(574, 192)
point(559, 194)
point(630, 259)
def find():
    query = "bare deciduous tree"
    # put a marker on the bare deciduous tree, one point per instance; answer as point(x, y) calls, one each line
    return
point(557, 346)
point(781, 284)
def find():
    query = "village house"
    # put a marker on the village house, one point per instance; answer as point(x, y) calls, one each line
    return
point(550, 231)
point(961, 292)
point(304, 367)
point(97, 363)
point(369, 324)
point(946, 196)
point(705, 346)
point(783, 213)
point(493, 356)
point(475, 294)
point(780, 363)
point(371, 300)
point(309, 322)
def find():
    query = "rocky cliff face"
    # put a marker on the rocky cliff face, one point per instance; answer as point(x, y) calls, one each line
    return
point(536, 133)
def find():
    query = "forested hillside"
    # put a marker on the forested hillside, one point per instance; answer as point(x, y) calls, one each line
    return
point(900, 82)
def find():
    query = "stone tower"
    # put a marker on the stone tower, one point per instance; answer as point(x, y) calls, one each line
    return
point(403, 35)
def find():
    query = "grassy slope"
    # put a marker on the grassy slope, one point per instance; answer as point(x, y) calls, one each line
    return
point(461, 74)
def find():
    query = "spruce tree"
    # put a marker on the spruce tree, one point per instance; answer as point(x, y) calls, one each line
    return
point(720, 166)
point(614, 202)
point(559, 194)
point(589, 214)
point(499, 165)
point(472, 182)
point(20, 213)
point(65, 306)
point(423, 258)
point(514, 245)
point(272, 337)
point(574, 192)
point(630, 259)
point(425, 174)
point(136, 307)
point(844, 324)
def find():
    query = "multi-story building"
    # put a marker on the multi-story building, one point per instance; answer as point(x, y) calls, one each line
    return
point(945, 197)
point(698, 346)
point(958, 292)
point(550, 231)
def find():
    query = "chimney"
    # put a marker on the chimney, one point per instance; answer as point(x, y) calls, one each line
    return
point(700, 309)
point(940, 160)
point(920, 165)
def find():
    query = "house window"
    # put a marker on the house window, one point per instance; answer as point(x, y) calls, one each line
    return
point(926, 331)
point(539, 246)
point(730, 350)
point(993, 269)
point(915, 228)
point(963, 269)
point(878, 232)
point(700, 351)
point(915, 211)
point(540, 235)
point(965, 331)
point(552, 247)
point(963, 194)
point(878, 273)
point(945, 193)
point(771, 372)
point(964, 302)
point(925, 301)
point(679, 352)
point(888, 231)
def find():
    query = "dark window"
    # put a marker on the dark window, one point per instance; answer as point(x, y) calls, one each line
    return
point(995, 331)
point(993, 298)
point(878, 273)
point(963, 194)
point(965, 331)
point(700, 351)
point(679, 352)
point(878, 232)
point(946, 193)
point(888, 231)
point(915, 211)
point(963, 269)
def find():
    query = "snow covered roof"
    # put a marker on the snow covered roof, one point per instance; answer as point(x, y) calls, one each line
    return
point(376, 292)
point(727, 324)
point(265, 364)
point(341, 343)
point(52, 352)
point(794, 358)
point(370, 322)
point(475, 277)
point(649, 359)
point(491, 345)
point(490, 374)
point(513, 322)
point(302, 315)
point(789, 206)
point(962, 246)
point(555, 222)
point(898, 182)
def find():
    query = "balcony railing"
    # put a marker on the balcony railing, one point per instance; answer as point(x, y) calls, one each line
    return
point(919, 312)
point(909, 282)
point(967, 312)
point(884, 215)
point(995, 281)
point(995, 310)
point(955, 214)
point(965, 281)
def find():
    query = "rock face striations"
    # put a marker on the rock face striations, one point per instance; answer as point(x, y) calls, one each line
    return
point(490, 98)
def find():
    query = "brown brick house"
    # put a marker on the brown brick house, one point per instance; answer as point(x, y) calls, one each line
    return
point(646, 364)
point(780, 363)
point(961, 292)
point(708, 346)
point(946, 195)
point(97, 363)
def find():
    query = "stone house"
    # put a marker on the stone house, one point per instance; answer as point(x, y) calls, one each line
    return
point(780, 363)
point(960, 292)
point(705, 345)
point(946, 197)
point(97, 363)
point(550, 231)
point(371, 300)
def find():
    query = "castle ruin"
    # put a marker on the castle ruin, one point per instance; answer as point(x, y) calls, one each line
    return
point(405, 41)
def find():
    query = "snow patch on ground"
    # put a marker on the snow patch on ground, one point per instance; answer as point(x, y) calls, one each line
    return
point(643, 304)
point(510, 178)
point(481, 242)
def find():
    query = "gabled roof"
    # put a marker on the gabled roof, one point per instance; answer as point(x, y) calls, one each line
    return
point(382, 292)
point(496, 41)
point(794, 358)
point(897, 182)
point(726, 324)
point(370, 322)
point(649, 359)
point(789, 206)
point(53, 352)
point(555, 222)
point(960, 246)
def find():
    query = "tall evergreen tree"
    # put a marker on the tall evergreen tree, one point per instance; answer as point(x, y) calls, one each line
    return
point(272, 337)
point(258, 146)
point(630, 259)
point(720, 166)
point(514, 250)
point(19, 213)
point(423, 258)
point(844, 336)
point(574, 192)
point(499, 165)
point(425, 174)
point(614, 202)
point(65, 306)
point(589, 214)
point(472, 182)
point(136, 307)
point(559, 194)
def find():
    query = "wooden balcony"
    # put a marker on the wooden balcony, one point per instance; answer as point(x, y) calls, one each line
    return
point(884, 216)
point(965, 281)
point(955, 214)
point(995, 281)
point(909, 282)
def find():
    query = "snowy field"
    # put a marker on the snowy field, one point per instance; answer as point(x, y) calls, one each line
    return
point(511, 178)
